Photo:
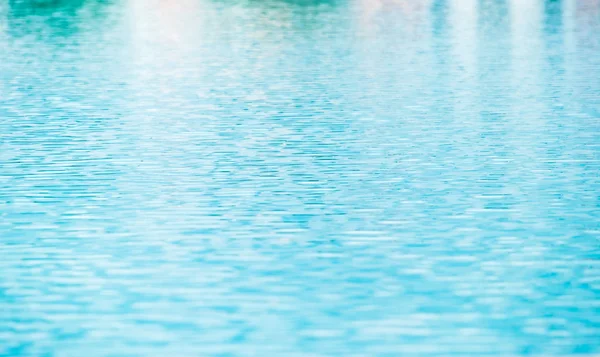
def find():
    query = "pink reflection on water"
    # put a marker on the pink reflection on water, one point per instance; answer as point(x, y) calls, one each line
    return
point(411, 15)
point(587, 22)
point(588, 10)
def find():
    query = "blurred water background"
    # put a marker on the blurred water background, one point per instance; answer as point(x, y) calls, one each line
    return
point(299, 177)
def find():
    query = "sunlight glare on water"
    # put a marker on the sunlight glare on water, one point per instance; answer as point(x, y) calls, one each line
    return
point(299, 177)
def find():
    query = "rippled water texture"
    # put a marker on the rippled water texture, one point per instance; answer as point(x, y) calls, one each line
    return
point(299, 178)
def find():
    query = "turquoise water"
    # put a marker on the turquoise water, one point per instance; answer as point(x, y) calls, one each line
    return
point(299, 178)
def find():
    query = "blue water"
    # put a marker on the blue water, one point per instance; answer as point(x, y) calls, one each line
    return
point(299, 178)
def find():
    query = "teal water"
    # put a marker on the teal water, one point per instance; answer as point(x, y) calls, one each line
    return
point(299, 178)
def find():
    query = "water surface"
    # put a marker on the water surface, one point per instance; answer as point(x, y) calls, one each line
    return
point(299, 178)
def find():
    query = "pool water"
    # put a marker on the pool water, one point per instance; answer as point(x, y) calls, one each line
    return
point(299, 178)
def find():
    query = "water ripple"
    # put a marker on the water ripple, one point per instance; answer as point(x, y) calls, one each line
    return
point(299, 178)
